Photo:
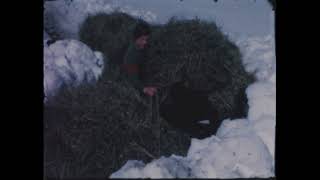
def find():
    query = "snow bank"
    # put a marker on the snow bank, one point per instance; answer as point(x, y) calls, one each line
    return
point(46, 37)
point(64, 17)
point(259, 58)
point(242, 148)
point(235, 152)
point(69, 62)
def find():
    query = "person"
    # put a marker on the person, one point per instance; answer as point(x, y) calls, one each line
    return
point(135, 57)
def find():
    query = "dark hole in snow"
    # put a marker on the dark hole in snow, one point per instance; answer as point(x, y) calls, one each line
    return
point(184, 108)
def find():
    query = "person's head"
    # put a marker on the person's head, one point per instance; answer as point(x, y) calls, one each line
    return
point(141, 34)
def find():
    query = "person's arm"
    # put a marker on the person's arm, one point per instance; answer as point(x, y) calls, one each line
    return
point(132, 67)
point(133, 71)
point(133, 75)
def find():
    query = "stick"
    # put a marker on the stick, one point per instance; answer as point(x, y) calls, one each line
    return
point(155, 120)
point(158, 121)
point(139, 147)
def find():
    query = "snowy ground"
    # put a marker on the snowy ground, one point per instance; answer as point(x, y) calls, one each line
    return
point(241, 148)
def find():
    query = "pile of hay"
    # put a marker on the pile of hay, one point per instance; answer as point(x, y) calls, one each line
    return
point(198, 53)
point(92, 130)
point(108, 33)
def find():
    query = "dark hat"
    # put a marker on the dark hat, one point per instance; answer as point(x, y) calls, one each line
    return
point(141, 28)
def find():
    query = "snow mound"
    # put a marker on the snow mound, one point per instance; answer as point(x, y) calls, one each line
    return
point(69, 62)
point(259, 58)
point(234, 153)
point(46, 37)
point(172, 167)
point(65, 17)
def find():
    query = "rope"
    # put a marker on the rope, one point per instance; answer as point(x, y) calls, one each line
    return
point(155, 120)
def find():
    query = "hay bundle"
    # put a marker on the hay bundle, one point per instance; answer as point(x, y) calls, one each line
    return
point(92, 130)
point(197, 53)
point(108, 33)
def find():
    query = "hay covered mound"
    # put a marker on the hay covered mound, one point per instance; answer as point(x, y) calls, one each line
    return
point(197, 53)
point(108, 33)
point(93, 130)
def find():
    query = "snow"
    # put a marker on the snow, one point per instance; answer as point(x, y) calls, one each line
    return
point(69, 62)
point(259, 57)
point(67, 16)
point(46, 37)
point(242, 148)
point(235, 152)
point(204, 122)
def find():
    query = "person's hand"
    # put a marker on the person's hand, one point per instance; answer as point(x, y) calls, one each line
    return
point(150, 91)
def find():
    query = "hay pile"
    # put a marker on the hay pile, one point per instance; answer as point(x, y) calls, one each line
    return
point(108, 33)
point(92, 130)
point(197, 53)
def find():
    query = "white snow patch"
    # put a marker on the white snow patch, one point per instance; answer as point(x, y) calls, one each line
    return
point(70, 62)
point(259, 57)
point(235, 152)
point(46, 37)
point(204, 122)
